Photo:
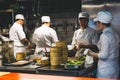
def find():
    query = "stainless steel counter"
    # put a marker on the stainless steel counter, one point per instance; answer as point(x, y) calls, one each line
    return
point(87, 71)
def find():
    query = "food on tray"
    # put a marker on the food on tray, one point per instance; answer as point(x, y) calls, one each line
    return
point(76, 61)
point(82, 58)
point(20, 56)
point(20, 62)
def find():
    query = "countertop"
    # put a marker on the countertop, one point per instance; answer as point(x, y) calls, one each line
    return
point(60, 70)
point(23, 69)
point(52, 70)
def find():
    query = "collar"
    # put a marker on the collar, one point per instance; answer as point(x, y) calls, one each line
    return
point(17, 23)
point(44, 25)
point(107, 29)
point(84, 29)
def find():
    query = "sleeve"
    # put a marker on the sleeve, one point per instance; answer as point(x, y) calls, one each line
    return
point(21, 33)
point(33, 38)
point(104, 47)
point(74, 39)
point(54, 37)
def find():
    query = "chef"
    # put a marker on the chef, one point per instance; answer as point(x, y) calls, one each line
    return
point(17, 35)
point(84, 35)
point(44, 36)
point(108, 66)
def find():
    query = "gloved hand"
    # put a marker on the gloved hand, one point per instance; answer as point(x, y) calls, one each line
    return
point(73, 47)
point(89, 59)
point(86, 51)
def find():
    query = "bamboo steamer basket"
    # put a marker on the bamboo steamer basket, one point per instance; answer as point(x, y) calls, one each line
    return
point(55, 67)
point(55, 63)
point(55, 49)
point(55, 55)
point(20, 56)
point(63, 45)
point(64, 56)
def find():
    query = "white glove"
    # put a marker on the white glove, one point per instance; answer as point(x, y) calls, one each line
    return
point(89, 59)
point(86, 51)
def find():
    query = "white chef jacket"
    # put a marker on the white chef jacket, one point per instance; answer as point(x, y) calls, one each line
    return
point(87, 35)
point(44, 37)
point(16, 34)
point(108, 56)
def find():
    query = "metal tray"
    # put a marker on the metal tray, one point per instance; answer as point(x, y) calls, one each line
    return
point(18, 63)
point(73, 66)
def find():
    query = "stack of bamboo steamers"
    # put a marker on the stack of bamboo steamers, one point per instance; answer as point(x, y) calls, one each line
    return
point(59, 53)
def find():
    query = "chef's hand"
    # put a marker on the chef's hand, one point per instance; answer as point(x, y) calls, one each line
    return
point(25, 42)
point(89, 52)
point(86, 51)
point(75, 48)
point(93, 54)
point(29, 46)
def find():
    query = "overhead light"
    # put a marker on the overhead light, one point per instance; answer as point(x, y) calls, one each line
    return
point(24, 0)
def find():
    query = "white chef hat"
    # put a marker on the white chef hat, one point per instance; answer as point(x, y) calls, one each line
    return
point(45, 19)
point(104, 17)
point(19, 16)
point(83, 15)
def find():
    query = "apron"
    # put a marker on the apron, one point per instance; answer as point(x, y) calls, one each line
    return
point(108, 70)
point(43, 51)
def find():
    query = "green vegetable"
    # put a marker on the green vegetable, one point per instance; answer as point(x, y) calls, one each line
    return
point(74, 62)
point(82, 58)
point(78, 61)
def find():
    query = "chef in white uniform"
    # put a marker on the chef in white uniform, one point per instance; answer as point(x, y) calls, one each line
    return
point(44, 36)
point(84, 35)
point(108, 55)
point(17, 35)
